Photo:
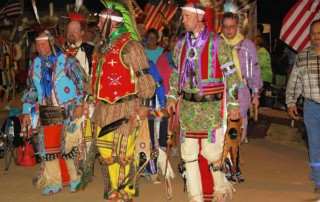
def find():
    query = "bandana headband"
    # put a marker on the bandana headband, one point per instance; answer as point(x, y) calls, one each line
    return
point(194, 10)
point(42, 38)
point(114, 18)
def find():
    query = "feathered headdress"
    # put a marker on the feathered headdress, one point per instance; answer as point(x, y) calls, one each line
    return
point(127, 14)
point(78, 12)
point(46, 23)
point(241, 8)
point(218, 7)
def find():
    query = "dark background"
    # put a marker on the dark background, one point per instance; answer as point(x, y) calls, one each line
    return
point(269, 11)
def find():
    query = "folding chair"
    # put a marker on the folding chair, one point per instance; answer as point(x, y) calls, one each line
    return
point(10, 140)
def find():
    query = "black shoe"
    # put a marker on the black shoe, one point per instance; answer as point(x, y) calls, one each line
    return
point(237, 177)
point(240, 177)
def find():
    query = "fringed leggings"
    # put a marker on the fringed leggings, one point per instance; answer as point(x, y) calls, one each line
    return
point(118, 165)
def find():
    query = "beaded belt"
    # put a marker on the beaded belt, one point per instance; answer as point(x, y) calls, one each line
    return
point(50, 115)
point(124, 99)
point(197, 97)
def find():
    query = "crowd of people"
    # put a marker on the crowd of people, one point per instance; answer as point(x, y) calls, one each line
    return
point(127, 100)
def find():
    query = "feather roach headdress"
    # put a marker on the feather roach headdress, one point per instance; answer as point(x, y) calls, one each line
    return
point(241, 8)
point(78, 12)
point(127, 14)
point(219, 7)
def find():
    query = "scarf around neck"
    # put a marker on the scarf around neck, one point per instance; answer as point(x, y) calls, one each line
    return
point(235, 57)
point(47, 64)
point(193, 51)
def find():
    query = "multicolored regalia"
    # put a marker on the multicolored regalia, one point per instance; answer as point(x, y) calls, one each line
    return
point(84, 54)
point(120, 83)
point(55, 85)
point(207, 84)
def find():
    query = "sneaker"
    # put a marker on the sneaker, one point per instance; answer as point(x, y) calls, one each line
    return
point(75, 186)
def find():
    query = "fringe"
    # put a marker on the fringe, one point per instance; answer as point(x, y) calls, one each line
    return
point(227, 190)
point(87, 171)
point(106, 177)
point(42, 179)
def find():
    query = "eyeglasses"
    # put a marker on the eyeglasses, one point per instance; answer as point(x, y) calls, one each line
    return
point(76, 31)
point(315, 33)
point(229, 27)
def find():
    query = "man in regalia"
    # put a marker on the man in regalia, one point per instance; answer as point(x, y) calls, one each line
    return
point(121, 90)
point(207, 83)
point(54, 88)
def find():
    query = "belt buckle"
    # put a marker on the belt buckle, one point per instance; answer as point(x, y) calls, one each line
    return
point(197, 97)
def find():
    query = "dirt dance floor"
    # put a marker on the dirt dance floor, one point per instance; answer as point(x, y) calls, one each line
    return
point(275, 168)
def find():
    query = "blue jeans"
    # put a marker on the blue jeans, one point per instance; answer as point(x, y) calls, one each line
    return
point(312, 121)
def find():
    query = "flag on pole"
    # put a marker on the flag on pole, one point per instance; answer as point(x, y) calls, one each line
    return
point(158, 13)
point(296, 24)
point(11, 9)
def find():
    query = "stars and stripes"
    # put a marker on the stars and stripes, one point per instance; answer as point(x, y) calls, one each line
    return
point(11, 9)
point(158, 13)
point(295, 26)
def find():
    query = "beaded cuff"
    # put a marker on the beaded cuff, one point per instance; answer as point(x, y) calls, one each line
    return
point(145, 102)
point(228, 68)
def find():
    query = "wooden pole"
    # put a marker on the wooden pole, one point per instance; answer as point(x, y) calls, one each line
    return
point(23, 65)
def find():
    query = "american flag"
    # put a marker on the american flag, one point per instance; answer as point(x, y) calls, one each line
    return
point(11, 9)
point(158, 12)
point(295, 26)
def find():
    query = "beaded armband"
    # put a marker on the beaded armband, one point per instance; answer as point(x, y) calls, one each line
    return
point(87, 98)
point(145, 102)
point(171, 97)
point(234, 104)
point(141, 72)
point(228, 68)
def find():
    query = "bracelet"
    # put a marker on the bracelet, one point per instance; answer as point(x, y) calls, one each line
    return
point(233, 103)
point(172, 97)
point(255, 94)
